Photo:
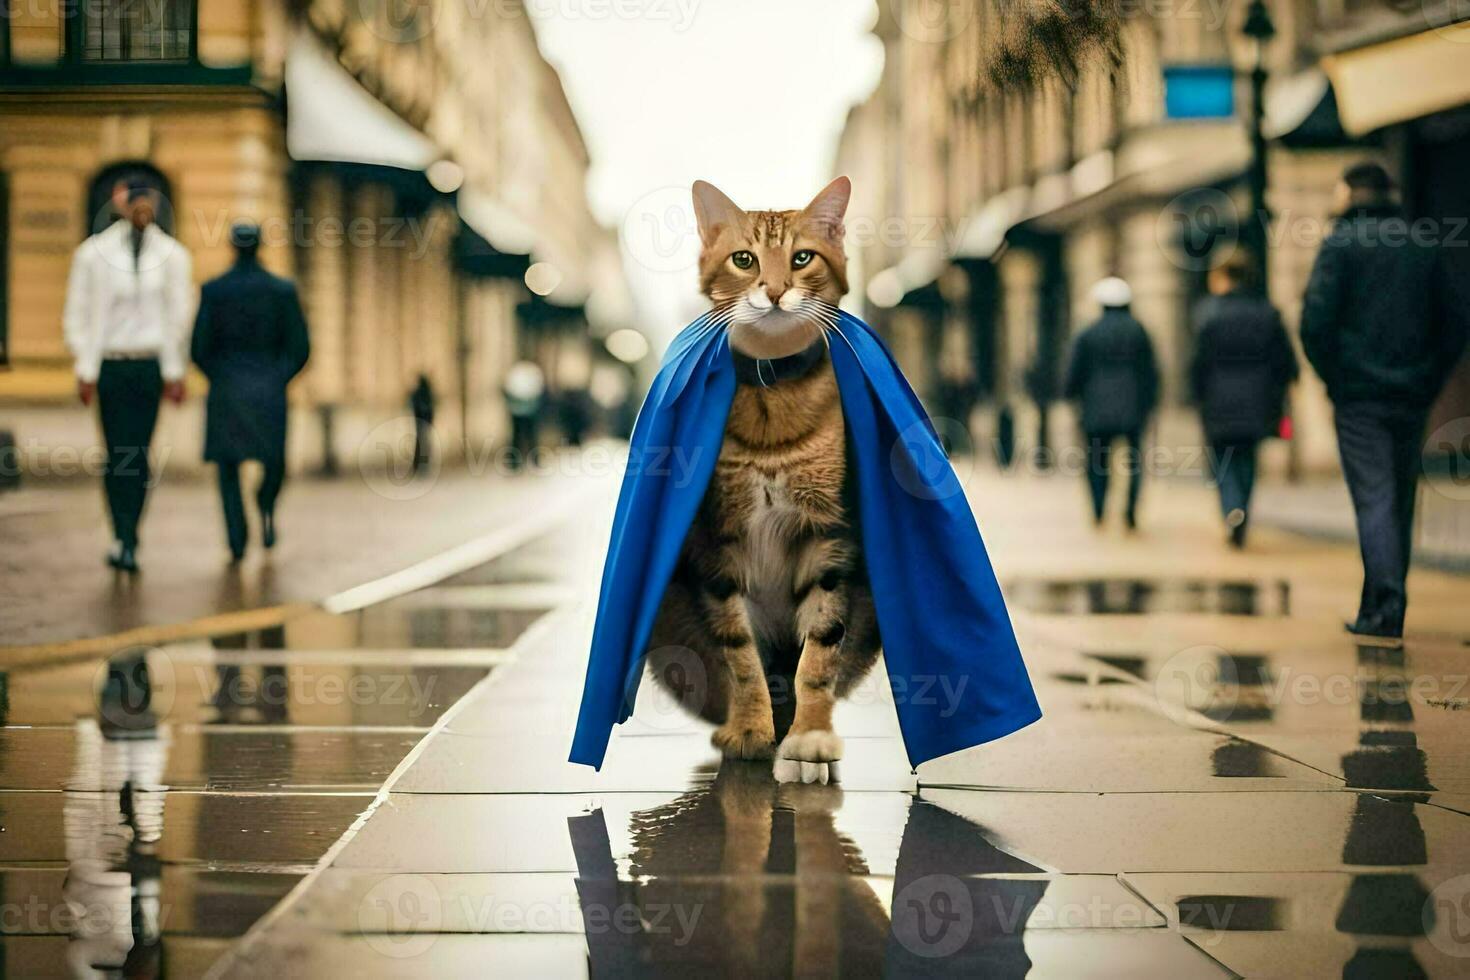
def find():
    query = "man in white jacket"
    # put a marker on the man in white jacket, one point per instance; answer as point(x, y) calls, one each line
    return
point(129, 301)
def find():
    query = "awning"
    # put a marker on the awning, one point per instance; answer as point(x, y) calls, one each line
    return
point(330, 118)
point(496, 223)
point(986, 230)
point(1402, 79)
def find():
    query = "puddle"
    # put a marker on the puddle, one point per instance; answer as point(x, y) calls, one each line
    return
point(173, 795)
point(1140, 596)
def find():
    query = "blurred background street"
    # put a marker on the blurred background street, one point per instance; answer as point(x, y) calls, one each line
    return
point(346, 753)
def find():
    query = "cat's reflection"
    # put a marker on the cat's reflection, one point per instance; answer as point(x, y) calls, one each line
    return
point(751, 877)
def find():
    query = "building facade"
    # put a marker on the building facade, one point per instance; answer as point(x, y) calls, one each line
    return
point(407, 163)
point(995, 181)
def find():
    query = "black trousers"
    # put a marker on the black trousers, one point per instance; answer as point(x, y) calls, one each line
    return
point(1381, 446)
point(522, 439)
point(128, 393)
point(236, 529)
point(1099, 468)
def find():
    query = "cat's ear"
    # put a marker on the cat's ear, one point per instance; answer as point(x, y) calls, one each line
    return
point(829, 206)
point(713, 210)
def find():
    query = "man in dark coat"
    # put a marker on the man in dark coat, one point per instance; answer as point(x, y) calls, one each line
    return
point(1115, 379)
point(1243, 362)
point(1383, 327)
point(250, 340)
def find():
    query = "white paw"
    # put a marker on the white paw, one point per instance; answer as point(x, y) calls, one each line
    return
point(813, 746)
point(808, 757)
point(791, 771)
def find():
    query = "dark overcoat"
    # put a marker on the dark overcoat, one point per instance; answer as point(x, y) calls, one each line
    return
point(1242, 363)
point(1113, 375)
point(250, 340)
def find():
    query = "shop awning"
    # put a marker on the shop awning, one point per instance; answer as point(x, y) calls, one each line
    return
point(496, 223)
point(330, 118)
point(1402, 79)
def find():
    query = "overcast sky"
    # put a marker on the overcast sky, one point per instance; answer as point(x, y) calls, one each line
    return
point(750, 96)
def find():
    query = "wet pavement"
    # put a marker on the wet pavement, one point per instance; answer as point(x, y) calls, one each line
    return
point(56, 594)
point(1224, 784)
point(155, 803)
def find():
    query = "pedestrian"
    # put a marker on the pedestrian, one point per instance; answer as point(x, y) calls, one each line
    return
point(421, 402)
point(574, 412)
point(525, 398)
point(1382, 327)
point(250, 340)
point(128, 299)
point(1243, 362)
point(1113, 377)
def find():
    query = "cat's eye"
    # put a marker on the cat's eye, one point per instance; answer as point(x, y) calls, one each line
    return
point(743, 260)
point(802, 258)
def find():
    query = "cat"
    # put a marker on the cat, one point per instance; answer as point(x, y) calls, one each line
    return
point(770, 592)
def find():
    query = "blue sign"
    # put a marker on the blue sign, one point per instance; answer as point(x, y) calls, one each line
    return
point(1199, 91)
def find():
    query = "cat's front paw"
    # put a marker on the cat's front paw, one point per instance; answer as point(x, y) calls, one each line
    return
point(808, 757)
point(814, 746)
point(743, 741)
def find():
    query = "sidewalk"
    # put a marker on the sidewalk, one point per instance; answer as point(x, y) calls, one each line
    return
point(1223, 785)
point(1322, 508)
point(57, 596)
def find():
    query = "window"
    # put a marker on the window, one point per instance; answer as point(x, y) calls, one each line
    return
point(156, 31)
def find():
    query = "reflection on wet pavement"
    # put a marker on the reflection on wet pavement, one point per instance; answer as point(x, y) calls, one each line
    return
point(155, 804)
point(1138, 596)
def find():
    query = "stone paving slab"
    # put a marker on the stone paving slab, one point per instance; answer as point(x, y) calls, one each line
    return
point(1299, 925)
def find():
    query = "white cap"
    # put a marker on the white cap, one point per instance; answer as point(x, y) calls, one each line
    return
point(1112, 291)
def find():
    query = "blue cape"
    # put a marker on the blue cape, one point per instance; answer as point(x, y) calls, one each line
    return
point(952, 659)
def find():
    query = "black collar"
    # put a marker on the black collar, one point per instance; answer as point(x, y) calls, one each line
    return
point(769, 371)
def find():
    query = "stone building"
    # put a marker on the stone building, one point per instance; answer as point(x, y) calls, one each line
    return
point(408, 163)
point(991, 191)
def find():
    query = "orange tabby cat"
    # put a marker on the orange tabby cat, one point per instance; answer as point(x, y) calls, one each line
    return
point(770, 591)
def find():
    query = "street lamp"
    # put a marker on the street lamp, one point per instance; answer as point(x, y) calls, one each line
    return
point(1259, 28)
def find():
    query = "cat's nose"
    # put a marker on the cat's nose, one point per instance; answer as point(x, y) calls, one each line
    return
point(774, 291)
